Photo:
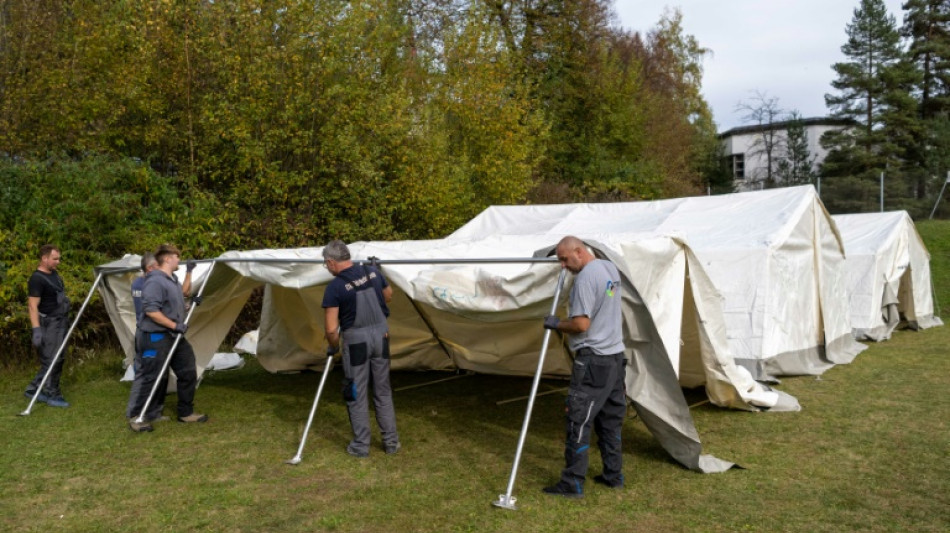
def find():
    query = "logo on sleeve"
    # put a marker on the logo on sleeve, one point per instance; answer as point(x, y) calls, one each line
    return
point(611, 288)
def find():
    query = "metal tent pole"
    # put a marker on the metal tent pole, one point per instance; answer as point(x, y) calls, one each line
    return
point(506, 500)
point(62, 347)
point(313, 410)
point(940, 196)
point(168, 357)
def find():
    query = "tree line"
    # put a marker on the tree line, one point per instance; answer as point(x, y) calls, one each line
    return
point(238, 124)
point(892, 100)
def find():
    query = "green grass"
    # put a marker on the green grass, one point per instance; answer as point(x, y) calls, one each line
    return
point(868, 452)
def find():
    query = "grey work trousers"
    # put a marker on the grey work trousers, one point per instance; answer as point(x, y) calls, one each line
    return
point(54, 330)
point(365, 362)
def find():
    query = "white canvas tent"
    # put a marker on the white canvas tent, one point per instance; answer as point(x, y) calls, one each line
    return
point(483, 317)
point(774, 256)
point(888, 270)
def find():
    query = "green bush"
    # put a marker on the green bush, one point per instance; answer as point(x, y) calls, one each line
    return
point(95, 209)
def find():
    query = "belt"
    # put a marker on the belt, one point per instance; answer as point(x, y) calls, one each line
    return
point(584, 351)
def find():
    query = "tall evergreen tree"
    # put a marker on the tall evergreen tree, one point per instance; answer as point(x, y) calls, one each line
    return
point(927, 27)
point(874, 89)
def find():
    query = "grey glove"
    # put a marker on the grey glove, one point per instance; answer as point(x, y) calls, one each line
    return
point(332, 350)
point(180, 327)
point(37, 337)
point(551, 322)
point(190, 265)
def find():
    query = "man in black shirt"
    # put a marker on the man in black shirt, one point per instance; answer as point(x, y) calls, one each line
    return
point(49, 309)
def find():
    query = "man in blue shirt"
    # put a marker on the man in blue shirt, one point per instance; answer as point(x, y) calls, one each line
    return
point(596, 396)
point(355, 304)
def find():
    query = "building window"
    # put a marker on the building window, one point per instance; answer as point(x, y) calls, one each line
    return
point(738, 166)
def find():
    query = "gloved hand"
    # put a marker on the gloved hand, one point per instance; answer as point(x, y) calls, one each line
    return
point(551, 322)
point(37, 337)
point(332, 350)
point(373, 261)
point(190, 265)
point(196, 299)
point(180, 327)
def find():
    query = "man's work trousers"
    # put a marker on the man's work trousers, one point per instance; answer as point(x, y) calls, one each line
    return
point(365, 362)
point(151, 351)
point(54, 330)
point(595, 399)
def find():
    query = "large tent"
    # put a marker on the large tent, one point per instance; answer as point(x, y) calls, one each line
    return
point(483, 316)
point(774, 256)
point(888, 270)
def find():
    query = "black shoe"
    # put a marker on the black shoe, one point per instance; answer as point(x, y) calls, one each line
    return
point(390, 450)
point(356, 453)
point(601, 480)
point(564, 489)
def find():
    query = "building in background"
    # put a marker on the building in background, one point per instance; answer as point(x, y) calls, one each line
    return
point(746, 148)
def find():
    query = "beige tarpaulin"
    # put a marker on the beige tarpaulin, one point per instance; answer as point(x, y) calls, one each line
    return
point(888, 274)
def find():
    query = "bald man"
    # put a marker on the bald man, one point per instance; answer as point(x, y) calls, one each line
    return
point(596, 398)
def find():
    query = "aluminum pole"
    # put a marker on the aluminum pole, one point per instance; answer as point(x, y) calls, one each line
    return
point(62, 347)
point(168, 358)
point(882, 192)
point(940, 196)
point(313, 410)
point(507, 501)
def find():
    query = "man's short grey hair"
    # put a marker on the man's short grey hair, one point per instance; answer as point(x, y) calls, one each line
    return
point(336, 250)
point(148, 258)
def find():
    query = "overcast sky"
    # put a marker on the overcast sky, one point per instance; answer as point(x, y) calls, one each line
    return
point(783, 48)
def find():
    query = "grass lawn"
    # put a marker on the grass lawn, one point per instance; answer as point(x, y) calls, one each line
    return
point(868, 452)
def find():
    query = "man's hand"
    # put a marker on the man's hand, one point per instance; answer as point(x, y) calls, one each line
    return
point(332, 350)
point(190, 265)
point(196, 299)
point(551, 322)
point(180, 327)
point(37, 337)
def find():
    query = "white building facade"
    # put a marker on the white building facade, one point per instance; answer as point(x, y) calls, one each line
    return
point(745, 148)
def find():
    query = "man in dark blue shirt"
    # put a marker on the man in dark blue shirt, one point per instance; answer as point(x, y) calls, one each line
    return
point(355, 314)
point(49, 309)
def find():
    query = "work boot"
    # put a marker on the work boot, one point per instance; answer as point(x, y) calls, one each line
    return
point(393, 448)
point(57, 401)
point(192, 418)
point(356, 453)
point(564, 489)
point(601, 480)
point(139, 427)
point(41, 398)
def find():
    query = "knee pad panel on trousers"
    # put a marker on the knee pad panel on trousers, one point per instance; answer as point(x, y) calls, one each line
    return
point(349, 390)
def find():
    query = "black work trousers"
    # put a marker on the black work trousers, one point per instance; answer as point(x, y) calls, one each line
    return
point(596, 400)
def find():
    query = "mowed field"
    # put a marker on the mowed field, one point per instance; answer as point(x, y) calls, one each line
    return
point(868, 452)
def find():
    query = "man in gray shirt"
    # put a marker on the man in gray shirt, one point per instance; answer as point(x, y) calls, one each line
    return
point(596, 396)
point(164, 307)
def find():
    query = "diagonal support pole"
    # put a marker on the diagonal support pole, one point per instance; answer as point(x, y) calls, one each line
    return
point(168, 358)
point(313, 410)
point(62, 346)
point(507, 501)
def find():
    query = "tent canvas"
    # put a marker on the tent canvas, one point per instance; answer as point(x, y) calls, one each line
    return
point(888, 270)
point(774, 256)
point(481, 317)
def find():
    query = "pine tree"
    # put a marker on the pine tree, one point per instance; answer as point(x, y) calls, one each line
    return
point(874, 89)
point(796, 167)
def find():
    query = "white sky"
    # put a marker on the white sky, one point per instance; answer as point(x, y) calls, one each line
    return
point(783, 48)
